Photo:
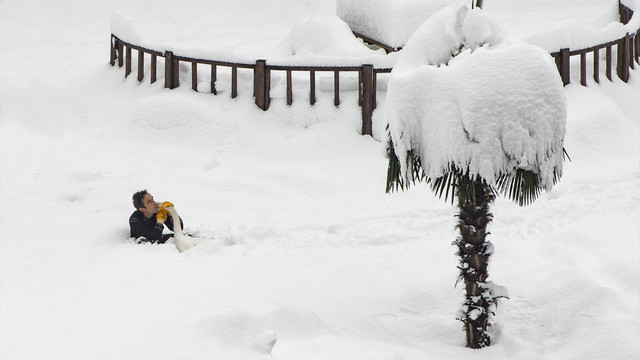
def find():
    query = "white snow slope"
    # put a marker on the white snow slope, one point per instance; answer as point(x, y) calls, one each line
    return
point(307, 249)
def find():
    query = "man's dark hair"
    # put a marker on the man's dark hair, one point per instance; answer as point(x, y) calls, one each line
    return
point(137, 199)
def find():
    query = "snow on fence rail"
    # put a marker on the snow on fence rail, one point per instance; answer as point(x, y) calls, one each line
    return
point(627, 54)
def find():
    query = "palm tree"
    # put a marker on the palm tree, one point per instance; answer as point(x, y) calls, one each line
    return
point(511, 145)
point(474, 196)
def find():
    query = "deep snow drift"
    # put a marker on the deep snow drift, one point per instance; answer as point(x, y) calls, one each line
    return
point(308, 250)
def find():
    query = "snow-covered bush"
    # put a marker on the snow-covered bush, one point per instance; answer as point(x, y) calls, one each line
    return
point(323, 40)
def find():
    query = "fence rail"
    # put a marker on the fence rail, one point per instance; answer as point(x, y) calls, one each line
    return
point(627, 54)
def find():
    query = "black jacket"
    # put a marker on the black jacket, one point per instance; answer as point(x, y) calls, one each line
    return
point(149, 229)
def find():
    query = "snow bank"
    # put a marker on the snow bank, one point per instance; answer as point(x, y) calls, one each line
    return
point(498, 105)
point(390, 22)
point(257, 326)
point(580, 30)
point(124, 28)
point(313, 41)
point(148, 32)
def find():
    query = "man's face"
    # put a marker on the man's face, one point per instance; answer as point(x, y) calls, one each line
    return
point(151, 207)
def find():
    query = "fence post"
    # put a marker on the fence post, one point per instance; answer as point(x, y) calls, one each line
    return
point(637, 46)
point(168, 69)
point(176, 72)
point(312, 87)
point(608, 61)
point(289, 88)
point(214, 77)
point(596, 65)
point(127, 66)
point(267, 97)
point(234, 82)
point(260, 84)
point(563, 64)
point(194, 76)
point(112, 53)
point(120, 53)
point(140, 65)
point(374, 93)
point(623, 59)
point(629, 40)
point(583, 69)
point(336, 88)
point(360, 87)
point(625, 13)
point(367, 99)
point(154, 60)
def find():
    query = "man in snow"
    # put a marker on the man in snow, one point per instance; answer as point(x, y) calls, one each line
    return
point(148, 221)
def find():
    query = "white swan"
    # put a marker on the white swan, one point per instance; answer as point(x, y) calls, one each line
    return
point(183, 242)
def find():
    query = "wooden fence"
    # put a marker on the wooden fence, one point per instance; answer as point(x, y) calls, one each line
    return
point(121, 52)
point(627, 54)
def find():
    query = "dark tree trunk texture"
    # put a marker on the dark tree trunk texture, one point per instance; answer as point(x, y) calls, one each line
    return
point(474, 251)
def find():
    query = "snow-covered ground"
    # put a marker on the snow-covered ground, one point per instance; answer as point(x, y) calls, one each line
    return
point(307, 248)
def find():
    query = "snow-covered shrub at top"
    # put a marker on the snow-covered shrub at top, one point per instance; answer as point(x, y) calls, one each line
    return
point(390, 22)
point(324, 40)
point(464, 95)
point(324, 35)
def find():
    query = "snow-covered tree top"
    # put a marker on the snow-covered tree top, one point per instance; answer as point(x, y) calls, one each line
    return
point(464, 95)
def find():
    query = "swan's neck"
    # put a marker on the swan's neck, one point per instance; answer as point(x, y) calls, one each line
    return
point(177, 227)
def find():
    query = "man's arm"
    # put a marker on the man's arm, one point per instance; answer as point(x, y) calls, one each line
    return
point(141, 228)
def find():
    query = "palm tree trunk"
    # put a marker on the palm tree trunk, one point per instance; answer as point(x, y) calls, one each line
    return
point(474, 251)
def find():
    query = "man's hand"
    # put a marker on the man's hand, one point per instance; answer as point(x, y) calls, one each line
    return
point(166, 204)
point(161, 216)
